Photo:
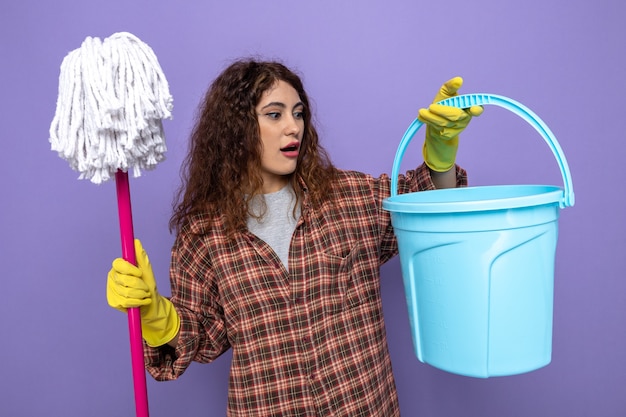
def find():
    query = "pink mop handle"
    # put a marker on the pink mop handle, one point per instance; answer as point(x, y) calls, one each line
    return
point(134, 316)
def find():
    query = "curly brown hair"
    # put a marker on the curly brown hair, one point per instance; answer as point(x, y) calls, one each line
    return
point(221, 171)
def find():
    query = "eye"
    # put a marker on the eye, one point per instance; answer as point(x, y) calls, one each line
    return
point(298, 112)
point(274, 115)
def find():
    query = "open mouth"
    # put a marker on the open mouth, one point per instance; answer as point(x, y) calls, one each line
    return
point(292, 147)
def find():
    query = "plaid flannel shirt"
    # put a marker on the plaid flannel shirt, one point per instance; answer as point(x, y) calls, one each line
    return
point(308, 342)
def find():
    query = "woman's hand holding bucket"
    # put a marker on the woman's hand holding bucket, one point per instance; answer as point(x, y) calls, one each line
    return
point(443, 126)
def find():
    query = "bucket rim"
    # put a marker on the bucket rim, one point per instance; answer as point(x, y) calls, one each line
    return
point(451, 199)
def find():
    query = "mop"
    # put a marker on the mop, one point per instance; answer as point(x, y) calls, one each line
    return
point(112, 98)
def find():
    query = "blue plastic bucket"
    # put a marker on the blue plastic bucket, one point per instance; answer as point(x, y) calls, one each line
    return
point(478, 264)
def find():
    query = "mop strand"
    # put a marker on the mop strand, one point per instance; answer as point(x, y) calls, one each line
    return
point(112, 98)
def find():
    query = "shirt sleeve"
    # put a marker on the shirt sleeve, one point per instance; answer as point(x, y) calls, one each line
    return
point(202, 336)
point(421, 180)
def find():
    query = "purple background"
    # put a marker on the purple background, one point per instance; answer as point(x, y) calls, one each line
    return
point(368, 65)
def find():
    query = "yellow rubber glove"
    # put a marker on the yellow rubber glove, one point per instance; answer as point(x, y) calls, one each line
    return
point(131, 286)
point(443, 126)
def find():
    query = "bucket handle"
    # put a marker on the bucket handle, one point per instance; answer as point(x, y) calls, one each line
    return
point(468, 100)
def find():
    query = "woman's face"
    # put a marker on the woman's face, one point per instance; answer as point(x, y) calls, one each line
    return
point(281, 125)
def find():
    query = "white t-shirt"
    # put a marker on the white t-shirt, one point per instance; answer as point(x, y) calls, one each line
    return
point(278, 222)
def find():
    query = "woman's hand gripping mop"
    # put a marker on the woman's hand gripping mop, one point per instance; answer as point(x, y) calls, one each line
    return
point(112, 98)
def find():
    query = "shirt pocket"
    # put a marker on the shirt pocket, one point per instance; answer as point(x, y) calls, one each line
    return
point(342, 286)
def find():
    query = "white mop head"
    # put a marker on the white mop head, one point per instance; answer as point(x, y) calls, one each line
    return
point(112, 98)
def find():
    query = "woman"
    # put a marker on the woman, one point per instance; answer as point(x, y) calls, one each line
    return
point(277, 253)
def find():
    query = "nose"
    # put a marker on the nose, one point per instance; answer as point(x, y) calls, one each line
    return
point(293, 126)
